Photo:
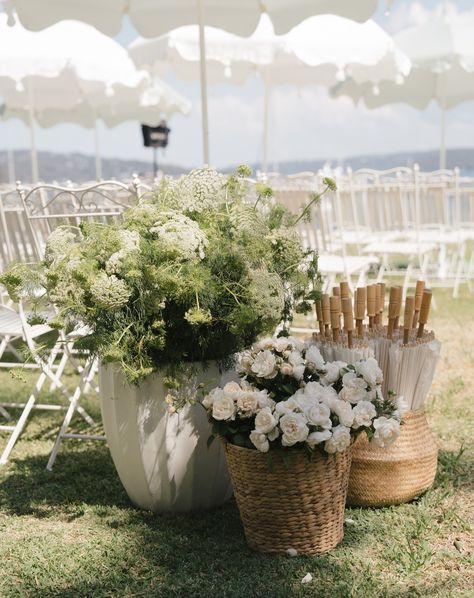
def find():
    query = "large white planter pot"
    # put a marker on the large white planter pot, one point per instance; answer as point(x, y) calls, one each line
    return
point(162, 459)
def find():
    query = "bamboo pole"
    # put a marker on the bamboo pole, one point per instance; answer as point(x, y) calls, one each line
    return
point(348, 319)
point(326, 313)
point(335, 309)
point(408, 318)
point(424, 311)
point(360, 309)
point(420, 287)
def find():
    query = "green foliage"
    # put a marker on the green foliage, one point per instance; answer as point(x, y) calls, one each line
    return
point(197, 272)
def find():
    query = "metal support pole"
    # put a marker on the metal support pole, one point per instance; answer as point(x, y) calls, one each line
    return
point(155, 162)
point(98, 161)
point(203, 70)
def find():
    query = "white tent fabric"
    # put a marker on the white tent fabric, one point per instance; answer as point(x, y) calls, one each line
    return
point(442, 55)
point(311, 53)
point(152, 18)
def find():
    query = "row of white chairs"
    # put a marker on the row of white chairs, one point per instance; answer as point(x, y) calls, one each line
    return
point(424, 221)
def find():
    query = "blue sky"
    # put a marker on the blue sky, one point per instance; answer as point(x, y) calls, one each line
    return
point(305, 124)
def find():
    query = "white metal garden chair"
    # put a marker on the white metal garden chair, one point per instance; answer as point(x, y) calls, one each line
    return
point(45, 207)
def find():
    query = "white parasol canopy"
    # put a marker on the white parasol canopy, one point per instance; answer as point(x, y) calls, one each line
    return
point(157, 100)
point(151, 19)
point(311, 53)
point(72, 72)
point(442, 55)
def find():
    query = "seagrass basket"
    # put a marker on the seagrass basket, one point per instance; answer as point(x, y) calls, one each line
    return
point(397, 474)
point(297, 505)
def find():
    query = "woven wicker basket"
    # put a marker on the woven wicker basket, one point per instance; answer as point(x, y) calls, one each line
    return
point(397, 474)
point(299, 505)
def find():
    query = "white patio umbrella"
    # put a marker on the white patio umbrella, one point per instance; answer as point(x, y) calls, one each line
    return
point(62, 67)
point(442, 55)
point(151, 19)
point(156, 101)
point(311, 53)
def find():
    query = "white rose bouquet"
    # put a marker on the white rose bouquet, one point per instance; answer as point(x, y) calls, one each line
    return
point(289, 397)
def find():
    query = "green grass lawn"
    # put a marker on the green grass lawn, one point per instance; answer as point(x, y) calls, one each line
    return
point(73, 532)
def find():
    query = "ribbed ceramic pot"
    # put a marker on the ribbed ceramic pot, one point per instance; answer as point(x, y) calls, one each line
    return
point(162, 459)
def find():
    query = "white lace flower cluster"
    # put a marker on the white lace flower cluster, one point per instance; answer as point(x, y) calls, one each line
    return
point(293, 398)
point(179, 233)
point(58, 244)
point(130, 244)
point(110, 292)
point(201, 189)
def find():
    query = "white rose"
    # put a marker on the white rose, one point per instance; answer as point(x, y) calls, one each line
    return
point(244, 362)
point(294, 428)
point(295, 358)
point(209, 399)
point(247, 403)
point(265, 421)
point(223, 408)
point(264, 365)
point(387, 431)
point(370, 371)
point(354, 388)
point(298, 371)
point(340, 440)
point(232, 387)
point(343, 411)
point(317, 437)
point(260, 441)
point(333, 372)
point(328, 394)
point(319, 415)
point(281, 344)
point(263, 399)
point(286, 369)
point(288, 406)
point(296, 343)
point(314, 358)
point(265, 343)
point(364, 412)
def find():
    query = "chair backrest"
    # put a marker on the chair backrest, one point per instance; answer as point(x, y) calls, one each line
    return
point(48, 206)
point(16, 241)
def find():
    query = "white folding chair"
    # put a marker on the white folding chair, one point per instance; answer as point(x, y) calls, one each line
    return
point(14, 326)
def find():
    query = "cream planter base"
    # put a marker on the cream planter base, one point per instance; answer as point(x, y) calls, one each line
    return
point(162, 459)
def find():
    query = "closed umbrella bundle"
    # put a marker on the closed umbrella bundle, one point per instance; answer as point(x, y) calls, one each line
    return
point(353, 329)
point(407, 353)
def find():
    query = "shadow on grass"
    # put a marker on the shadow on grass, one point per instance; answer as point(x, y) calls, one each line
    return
point(79, 477)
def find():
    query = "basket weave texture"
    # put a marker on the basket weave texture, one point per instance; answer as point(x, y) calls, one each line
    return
point(397, 474)
point(299, 505)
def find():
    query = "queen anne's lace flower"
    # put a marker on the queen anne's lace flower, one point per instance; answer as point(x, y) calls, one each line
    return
point(109, 291)
point(178, 233)
point(266, 292)
point(58, 244)
point(130, 244)
point(201, 189)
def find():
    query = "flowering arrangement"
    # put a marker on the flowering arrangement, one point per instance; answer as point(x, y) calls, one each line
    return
point(196, 271)
point(289, 397)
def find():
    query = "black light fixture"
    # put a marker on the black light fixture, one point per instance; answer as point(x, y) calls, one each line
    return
point(155, 137)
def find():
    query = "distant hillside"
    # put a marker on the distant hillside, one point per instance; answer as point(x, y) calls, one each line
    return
point(428, 160)
point(79, 167)
point(76, 167)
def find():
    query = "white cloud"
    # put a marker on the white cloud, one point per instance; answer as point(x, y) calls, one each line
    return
point(411, 14)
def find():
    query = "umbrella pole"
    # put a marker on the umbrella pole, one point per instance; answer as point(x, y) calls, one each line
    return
point(11, 166)
point(34, 153)
point(265, 126)
point(203, 70)
point(98, 161)
point(442, 152)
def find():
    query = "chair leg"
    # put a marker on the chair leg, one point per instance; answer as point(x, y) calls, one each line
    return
point(22, 421)
point(87, 373)
point(4, 413)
